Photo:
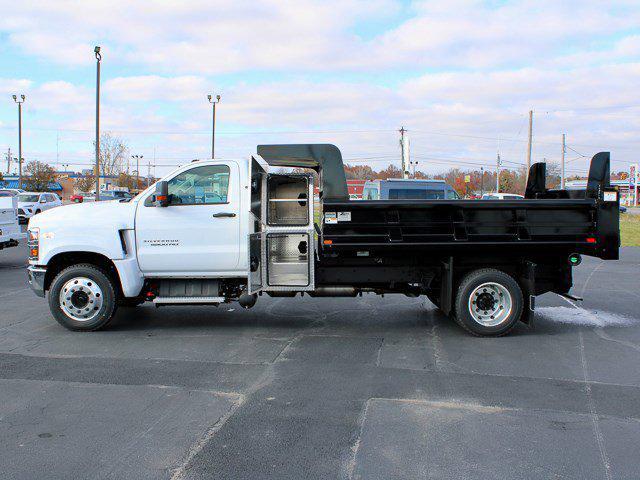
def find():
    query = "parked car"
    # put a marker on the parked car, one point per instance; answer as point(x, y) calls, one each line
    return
point(10, 192)
point(32, 203)
point(623, 209)
point(115, 195)
point(502, 196)
point(106, 195)
point(77, 198)
point(9, 227)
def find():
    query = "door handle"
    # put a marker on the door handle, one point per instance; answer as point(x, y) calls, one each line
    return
point(224, 215)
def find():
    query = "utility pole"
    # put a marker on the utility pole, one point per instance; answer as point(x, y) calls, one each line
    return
point(8, 160)
point(148, 173)
point(498, 174)
point(564, 150)
point(96, 50)
point(530, 141)
point(405, 154)
point(481, 181)
point(213, 124)
point(19, 102)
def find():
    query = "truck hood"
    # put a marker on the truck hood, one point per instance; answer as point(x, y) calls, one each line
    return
point(112, 215)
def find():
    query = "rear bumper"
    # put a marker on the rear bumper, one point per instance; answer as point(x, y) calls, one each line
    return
point(36, 279)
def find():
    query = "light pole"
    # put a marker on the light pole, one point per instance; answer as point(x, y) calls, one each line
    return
point(481, 181)
point(96, 51)
point(137, 157)
point(19, 102)
point(213, 126)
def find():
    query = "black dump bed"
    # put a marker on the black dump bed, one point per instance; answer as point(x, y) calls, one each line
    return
point(587, 226)
point(584, 222)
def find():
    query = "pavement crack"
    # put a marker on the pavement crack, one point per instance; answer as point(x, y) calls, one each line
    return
point(349, 465)
point(595, 421)
point(379, 352)
point(179, 472)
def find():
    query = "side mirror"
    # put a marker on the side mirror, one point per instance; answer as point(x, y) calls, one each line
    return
point(162, 194)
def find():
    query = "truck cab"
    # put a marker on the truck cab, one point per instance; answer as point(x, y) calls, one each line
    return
point(220, 231)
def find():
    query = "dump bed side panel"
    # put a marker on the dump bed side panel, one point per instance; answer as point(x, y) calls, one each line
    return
point(581, 225)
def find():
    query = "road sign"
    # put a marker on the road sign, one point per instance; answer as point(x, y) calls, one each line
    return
point(634, 180)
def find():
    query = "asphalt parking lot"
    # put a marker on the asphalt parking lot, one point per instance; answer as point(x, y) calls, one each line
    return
point(367, 388)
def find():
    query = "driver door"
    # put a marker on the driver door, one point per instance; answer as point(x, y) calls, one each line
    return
point(199, 232)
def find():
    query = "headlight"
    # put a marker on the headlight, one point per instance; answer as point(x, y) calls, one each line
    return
point(33, 242)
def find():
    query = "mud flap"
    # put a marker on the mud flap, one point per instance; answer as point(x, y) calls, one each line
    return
point(528, 284)
point(446, 289)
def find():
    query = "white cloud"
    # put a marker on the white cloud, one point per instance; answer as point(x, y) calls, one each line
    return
point(463, 115)
point(153, 88)
point(14, 86)
point(195, 36)
point(469, 68)
point(229, 36)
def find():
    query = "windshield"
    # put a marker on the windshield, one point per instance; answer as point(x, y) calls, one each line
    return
point(28, 198)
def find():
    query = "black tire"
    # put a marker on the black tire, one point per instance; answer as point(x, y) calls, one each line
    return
point(469, 284)
point(37, 212)
point(107, 292)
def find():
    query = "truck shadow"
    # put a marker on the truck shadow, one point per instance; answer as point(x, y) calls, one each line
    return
point(412, 321)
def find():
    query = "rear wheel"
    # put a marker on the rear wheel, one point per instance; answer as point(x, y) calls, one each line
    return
point(82, 297)
point(488, 303)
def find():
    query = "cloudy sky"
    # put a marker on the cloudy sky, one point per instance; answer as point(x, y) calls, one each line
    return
point(461, 76)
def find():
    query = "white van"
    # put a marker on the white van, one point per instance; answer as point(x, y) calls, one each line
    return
point(9, 227)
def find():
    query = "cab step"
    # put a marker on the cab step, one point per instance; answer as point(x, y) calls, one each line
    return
point(187, 300)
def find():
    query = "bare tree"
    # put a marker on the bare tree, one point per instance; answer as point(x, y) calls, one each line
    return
point(113, 154)
point(40, 176)
point(553, 175)
point(85, 183)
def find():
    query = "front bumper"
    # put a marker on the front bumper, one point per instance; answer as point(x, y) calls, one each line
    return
point(36, 279)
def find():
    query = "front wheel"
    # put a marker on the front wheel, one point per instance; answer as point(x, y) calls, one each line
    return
point(488, 303)
point(82, 297)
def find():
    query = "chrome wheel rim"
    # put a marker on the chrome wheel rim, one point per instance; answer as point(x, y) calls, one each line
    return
point(490, 304)
point(81, 299)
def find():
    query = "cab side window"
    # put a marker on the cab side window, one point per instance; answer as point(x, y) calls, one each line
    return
point(200, 186)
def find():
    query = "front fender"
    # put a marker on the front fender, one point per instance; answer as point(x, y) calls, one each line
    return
point(106, 244)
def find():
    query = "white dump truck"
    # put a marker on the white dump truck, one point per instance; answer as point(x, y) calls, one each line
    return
point(217, 231)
